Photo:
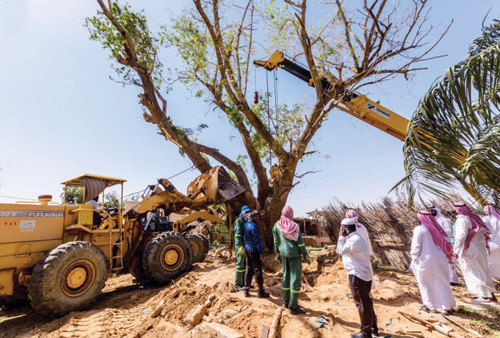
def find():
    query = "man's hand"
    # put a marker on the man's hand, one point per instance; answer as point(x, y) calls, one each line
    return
point(241, 250)
point(308, 260)
point(278, 257)
point(261, 257)
point(342, 228)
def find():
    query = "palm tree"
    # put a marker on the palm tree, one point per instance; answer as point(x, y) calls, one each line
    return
point(453, 137)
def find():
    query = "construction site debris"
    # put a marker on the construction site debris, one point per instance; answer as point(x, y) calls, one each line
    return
point(439, 328)
point(388, 289)
point(221, 330)
point(275, 322)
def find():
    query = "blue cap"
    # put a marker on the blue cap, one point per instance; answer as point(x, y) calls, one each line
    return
point(245, 208)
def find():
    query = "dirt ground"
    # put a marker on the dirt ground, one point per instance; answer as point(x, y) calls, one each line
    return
point(126, 309)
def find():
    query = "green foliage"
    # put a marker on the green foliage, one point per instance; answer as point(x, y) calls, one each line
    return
point(285, 123)
point(73, 195)
point(454, 135)
point(145, 42)
point(221, 231)
point(192, 44)
point(111, 200)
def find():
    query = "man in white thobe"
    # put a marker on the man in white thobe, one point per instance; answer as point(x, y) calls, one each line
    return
point(471, 236)
point(430, 264)
point(492, 221)
point(445, 223)
point(356, 260)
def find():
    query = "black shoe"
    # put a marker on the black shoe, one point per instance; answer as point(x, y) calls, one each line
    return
point(247, 293)
point(238, 287)
point(357, 335)
point(453, 284)
point(263, 294)
point(299, 310)
point(251, 287)
point(285, 306)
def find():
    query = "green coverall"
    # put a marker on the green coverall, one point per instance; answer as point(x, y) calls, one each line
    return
point(240, 258)
point(290, 252)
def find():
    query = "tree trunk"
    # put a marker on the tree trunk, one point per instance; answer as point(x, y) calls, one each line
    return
point(275, 202)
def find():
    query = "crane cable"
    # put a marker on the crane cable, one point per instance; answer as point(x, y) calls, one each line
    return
point(268, 94)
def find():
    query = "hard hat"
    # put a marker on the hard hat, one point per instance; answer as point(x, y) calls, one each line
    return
point(245, 208)
point(253, 213)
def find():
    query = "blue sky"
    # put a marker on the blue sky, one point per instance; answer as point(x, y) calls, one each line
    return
point(61, 115)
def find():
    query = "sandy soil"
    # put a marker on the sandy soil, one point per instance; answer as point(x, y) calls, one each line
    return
point(129, 310)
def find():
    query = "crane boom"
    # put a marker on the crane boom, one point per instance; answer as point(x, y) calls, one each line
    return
point(359, 106)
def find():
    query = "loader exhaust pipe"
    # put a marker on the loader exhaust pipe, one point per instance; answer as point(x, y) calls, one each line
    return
point(44, 199)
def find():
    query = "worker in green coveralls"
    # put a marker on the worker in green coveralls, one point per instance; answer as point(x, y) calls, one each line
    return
point(290, 247)
point(239, 244)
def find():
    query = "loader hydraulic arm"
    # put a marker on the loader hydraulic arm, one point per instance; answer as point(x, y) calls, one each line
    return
point(212, 187)
point(354, 104)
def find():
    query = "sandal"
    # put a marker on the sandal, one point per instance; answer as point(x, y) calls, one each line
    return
point(446, 312)
point(426, 309)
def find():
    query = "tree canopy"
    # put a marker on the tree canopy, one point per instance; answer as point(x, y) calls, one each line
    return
point(351, 43)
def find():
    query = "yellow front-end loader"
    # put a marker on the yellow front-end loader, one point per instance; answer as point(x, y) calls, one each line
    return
point(59, 256)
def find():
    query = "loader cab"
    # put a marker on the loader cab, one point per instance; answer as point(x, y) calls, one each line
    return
point(95, 216)
point(80, 222)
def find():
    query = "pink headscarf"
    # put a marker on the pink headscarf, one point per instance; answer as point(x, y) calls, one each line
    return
point(477, 223)
point(351, 213)
point(287, 226)
point(439, 236)
point(490, 210)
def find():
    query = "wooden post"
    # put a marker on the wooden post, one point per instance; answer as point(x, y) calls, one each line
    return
point(275, 322)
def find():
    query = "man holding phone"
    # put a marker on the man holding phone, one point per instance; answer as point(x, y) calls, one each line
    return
point(356, 259)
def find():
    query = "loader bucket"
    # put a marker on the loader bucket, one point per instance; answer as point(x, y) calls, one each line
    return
point(215, 186)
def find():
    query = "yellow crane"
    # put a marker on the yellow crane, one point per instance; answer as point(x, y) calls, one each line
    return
point(369, 111)
point(357, 105)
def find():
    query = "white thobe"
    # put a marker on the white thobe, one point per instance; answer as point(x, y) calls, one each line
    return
point(355, 256)
point(493, 224)
point(430, 266)
point(445, 223)
point(473, 261)
point(361, 229)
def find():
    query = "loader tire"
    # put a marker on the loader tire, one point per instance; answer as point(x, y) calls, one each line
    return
point(166, 257)
point(68, 278)
point(206, 246)
point(206, 241)
point(198, 246)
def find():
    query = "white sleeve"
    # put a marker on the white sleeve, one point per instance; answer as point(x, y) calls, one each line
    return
point(416, 244)
point(346, 246)
point(449, 227)
point(461, 231)
point(486, 221)
point(366, 237)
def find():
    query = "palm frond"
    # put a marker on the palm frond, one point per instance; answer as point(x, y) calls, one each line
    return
point(454, 135)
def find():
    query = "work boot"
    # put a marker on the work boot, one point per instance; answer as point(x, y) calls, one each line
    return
point(299, 310)
point(247, 293)
point(239, 287)
point(263, 294)
point(285, 305)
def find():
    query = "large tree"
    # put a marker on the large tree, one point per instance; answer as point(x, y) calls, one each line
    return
point(454, 135)
point(351, 43)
